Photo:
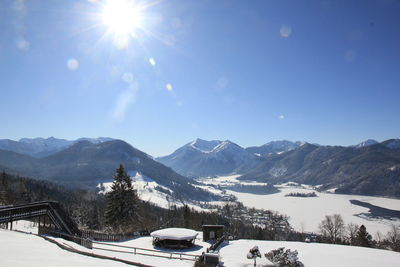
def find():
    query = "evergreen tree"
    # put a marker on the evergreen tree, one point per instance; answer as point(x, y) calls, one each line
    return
point(121, 203)
point(363, 238)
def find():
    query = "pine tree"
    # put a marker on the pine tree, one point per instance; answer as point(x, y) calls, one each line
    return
point(121, 203)
point(363, 238)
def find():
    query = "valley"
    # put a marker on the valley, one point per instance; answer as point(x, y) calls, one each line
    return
point(306, 213)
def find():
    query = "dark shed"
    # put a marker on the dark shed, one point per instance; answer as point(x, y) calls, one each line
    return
point(212, 232)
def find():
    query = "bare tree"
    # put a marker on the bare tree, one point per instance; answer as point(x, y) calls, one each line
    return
point(393, 237)
point(379, 238)
point(351, 232)
point(332, 228)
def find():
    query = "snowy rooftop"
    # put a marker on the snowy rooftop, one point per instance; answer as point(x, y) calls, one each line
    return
point(175, 234)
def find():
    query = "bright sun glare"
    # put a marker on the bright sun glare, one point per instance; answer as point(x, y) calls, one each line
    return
point(123, 17)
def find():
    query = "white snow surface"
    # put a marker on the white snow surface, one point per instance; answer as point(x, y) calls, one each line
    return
point(147, 190)
point(310, 254)
point(145, 242)
point(25, 226)
point(26, 250)
point(175, 234)
point(307, 212)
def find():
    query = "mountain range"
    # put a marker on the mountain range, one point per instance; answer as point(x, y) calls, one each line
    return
point(368, 168)
point(86, 164)
point(41, 147)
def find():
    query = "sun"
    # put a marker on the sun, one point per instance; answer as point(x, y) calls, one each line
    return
point(123, 18)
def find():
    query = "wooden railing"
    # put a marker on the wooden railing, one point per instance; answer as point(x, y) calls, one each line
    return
point(144, 251)
point(87, 243)
point(111, 237)
point(36, 209)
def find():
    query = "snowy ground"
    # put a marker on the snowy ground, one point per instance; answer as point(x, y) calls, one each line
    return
point(310, 254)
point(146, 243)
point(306, 213)
point(147, 190)
point(26, 250)
point(150, 191)
point(26, 226)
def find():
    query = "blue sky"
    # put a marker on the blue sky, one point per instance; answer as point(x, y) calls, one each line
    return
point(248, 71)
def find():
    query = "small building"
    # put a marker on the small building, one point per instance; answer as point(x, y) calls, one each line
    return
point(212, 232)
point(175, 238)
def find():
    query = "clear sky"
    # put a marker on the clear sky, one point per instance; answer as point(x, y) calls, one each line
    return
point(159, 74)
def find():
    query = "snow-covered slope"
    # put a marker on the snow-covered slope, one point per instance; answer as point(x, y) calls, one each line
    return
point(19, 249)
point(310, 254)
point(25, 250)
point(365, 143)
point(147, 190)
point(206, 158)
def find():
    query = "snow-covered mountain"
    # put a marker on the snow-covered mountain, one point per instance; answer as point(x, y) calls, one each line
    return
point(392, 143)
point(205, 158)
point(368, 142)
point(274, 147)
point(42, 147)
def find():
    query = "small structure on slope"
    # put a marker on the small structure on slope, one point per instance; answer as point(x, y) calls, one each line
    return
point(212, 232)
point(175, 238)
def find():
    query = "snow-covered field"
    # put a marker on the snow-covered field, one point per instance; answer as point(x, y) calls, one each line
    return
point(306, 213)
point(26, 250)
point(310, 254)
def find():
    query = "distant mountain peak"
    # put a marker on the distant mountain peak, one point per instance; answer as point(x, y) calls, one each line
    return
point(204, 145)
point(204, 158)
point(368, 142)
point(278, 146)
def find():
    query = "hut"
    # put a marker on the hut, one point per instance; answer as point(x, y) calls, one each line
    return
point(175, 238)
point(212, 232)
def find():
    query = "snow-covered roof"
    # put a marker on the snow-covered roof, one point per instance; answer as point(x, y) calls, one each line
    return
point(175, 234)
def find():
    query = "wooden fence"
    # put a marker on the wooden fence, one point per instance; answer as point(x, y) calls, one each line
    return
point(99, 236)
point(144, 251)
point(87, 243)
